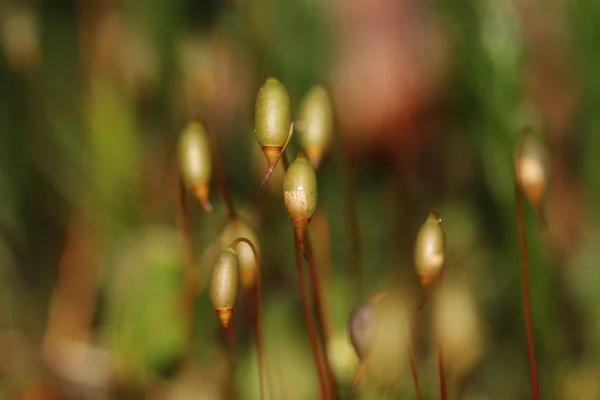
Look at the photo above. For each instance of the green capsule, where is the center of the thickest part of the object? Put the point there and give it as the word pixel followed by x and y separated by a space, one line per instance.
pixel 315 124
pixel 224 285
pixel 430 249
pixel 531 167
pixel 195 162
pixel 272 121
pixel 300 195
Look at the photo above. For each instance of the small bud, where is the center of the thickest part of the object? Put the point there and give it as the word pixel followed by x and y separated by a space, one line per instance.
pixel 300 195
pixel 195 162
pixel 429 250
pixel 224 285
pixel 315 124
pixel 272 121
pixel 239 228
pixel 530 168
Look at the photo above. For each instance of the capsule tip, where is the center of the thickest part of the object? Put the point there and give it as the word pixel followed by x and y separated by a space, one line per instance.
pixel 201 194
pixel 358 375
pixel 225 318
pixel 434 216
pixel 314 155
pixel 272 154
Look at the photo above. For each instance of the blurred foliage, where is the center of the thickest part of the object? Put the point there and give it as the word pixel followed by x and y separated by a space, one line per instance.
pixel 93 96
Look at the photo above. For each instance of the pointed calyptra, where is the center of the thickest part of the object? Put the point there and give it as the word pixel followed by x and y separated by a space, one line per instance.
pixel 300 195
pixel 429 250
pixel 224 285
pixel 195 162
pixel 272 121
pixel 315 124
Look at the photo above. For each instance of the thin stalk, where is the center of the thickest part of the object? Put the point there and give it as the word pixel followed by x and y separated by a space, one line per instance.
pixel 413 367
pixel 257 330
pixel 526 295
pixel 325 330
pixel 351 214
pixel 443 391
pixel 309 320
pixel 220 176
pixel 189 286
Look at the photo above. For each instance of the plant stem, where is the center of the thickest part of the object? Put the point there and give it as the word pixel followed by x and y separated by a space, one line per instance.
pixel 309 320
pixel 351 213
pixel 325 330
pixel 526 295
pixel 257 330
pixel 220 176
pixel 415 372
pixel 442 374
pixel 189 284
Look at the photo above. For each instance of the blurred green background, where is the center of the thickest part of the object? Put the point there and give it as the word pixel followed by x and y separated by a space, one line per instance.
pixel 429 99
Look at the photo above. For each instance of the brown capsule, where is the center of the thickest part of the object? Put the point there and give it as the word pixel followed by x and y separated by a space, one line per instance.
pixel 530 167
pixel 224 285
pixel 247 261
pixel 429 250
pixel 300 195
pixel 315 124
pixel 195 162
pixel 272 121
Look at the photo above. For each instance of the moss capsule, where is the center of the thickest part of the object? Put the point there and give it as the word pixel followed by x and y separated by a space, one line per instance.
pixel 272 121
pixel 300 195
pixel 224 285
pixel 361 326
pixel 530 168
pixel 430 250
pixel 195 162
pixel 315 124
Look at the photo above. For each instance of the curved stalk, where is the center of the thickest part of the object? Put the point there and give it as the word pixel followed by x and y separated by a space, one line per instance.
pixel 257 331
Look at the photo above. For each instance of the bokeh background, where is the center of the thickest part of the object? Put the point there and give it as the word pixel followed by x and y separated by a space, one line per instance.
pixel 429 99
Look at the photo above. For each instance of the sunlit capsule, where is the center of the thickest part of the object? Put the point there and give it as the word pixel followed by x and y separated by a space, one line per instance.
pixel 300 195
pixel 429 250
pixel 195 162
pixel 224 285
pixel 315 124
pixel 530 167
pixel 272 121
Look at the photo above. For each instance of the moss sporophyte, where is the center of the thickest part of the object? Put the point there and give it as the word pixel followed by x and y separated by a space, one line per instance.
pixel 272 122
